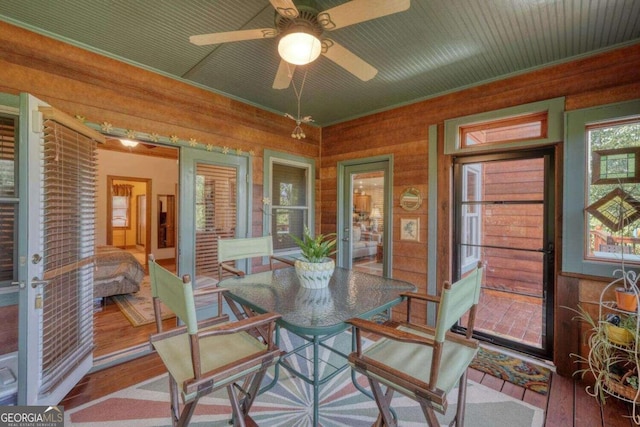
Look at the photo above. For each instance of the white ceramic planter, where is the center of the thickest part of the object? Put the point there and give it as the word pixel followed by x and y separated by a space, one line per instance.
pixel 315 275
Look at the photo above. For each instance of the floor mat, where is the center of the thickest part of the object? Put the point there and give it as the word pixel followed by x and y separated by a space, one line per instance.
pixel 508 368
pixel 138 307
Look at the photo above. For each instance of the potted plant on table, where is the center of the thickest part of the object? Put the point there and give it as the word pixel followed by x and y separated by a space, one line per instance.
pixel 315 269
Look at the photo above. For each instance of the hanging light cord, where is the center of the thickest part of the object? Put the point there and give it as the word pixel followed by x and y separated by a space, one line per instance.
pixel 297 132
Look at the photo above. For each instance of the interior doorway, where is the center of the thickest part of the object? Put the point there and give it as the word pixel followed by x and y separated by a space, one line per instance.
pixel 121 321
pixel 129 215
pixel 504 217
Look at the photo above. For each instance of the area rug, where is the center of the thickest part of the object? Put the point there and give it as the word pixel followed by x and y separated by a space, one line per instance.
pixel 513 370
pixel 289 403
pixel 138 307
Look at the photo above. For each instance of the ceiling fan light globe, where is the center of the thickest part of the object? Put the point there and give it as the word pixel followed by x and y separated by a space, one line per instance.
pixel 299 48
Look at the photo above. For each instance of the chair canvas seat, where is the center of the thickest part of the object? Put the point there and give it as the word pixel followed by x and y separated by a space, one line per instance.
pixel 415 361
pixel 215 352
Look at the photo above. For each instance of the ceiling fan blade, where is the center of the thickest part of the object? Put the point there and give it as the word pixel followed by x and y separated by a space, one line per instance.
pixel 348 60
pixel 233 36
pixel 356 11
pixel 286 8
pixel 284 75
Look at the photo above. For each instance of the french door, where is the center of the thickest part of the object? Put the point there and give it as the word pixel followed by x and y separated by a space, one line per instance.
pixel 504 217
pixel 214 198
pixel 55 248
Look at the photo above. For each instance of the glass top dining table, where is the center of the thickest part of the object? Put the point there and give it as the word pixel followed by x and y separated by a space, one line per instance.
pixel 315 315
pixel 316 311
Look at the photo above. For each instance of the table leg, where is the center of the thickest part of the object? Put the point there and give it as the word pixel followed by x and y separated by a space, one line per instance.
pixel 276 367
pixel 316 380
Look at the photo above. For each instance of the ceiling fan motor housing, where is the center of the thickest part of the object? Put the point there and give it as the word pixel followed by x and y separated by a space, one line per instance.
pixel 306 20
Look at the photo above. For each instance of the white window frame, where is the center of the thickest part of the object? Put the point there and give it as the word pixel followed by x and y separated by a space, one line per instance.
pixel 469 261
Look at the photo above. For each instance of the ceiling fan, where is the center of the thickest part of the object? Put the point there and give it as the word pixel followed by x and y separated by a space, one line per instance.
pixel 301 28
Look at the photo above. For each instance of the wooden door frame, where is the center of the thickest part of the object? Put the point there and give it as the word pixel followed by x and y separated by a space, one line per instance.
pixel 148 192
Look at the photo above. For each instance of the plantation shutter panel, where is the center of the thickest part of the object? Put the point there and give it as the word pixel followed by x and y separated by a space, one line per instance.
pixel 68 217
pixel 216 208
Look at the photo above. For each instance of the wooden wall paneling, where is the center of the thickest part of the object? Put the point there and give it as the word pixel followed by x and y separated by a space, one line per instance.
pixel 9 330
pixel 567 337
pixel 59 73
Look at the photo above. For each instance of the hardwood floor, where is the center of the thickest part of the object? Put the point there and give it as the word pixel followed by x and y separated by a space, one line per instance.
pixel 113 332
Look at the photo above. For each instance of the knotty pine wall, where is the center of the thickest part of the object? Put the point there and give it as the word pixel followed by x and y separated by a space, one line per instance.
pixel 596 80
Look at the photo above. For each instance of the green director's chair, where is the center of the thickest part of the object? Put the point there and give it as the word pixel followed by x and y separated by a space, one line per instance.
pixel 209 355
pixel 418 361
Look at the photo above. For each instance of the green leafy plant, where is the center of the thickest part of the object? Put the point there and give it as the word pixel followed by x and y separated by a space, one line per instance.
pixel 602 354
pixel 316 249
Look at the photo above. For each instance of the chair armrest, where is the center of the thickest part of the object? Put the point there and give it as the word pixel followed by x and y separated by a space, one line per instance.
pixel 389 332
pixel 423 297
pixel 242 325
pixel 416 296
pixel 179 330
pixel 231 269
pixel 283 260
pixel 207 291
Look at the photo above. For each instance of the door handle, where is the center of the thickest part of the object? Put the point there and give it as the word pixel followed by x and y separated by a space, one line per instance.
pixel 35 282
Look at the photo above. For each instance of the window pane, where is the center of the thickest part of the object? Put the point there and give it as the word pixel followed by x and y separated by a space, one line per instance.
pixel 120 211
pixel 7 157
pixel 8 226
pixel 289 185
pixel 532 126
pixel 285 222
pixel 613 203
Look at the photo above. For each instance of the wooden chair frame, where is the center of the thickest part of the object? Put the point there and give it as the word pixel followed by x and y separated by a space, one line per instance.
pixel 244 248
pixel 426 393
pixel 250 368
